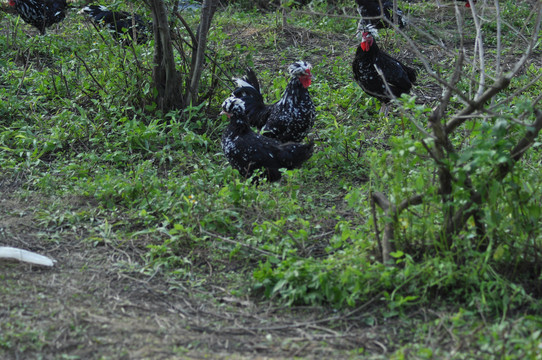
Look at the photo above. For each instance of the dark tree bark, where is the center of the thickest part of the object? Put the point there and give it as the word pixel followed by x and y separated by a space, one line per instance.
pixel 198 56
pixel 174 90
pixel 165 76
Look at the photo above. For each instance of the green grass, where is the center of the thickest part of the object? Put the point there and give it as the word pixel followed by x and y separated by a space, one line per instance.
pixel 77 117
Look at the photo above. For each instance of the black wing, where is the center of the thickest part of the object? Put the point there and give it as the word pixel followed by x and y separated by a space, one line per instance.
pixel 399 76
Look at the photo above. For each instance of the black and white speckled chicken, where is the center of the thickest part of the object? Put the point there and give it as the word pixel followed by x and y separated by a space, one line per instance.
pixel 289 119
pixel 248 151
pixel 371 12
pixel 40 13
pixel 377 73
pixel 119 22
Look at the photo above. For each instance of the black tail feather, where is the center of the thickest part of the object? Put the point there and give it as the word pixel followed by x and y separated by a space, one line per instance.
pixel 255 108
pixel 411 73
pixel 251 78
pixel 293 155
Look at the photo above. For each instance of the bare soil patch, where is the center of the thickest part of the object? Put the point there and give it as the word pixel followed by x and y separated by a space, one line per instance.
pixel 88 306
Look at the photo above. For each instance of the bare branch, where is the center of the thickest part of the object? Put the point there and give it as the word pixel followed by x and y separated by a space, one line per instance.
pixel 395 8
pixel 392 211
pixel 187 27
pixel 194 46
pixel 438 113
pixel 381 74
pixel 431 153
pixel 414 200
pixel 525 143
pixel 375 222
pixel 207 11
pixel 389 210
pixel 479 48
pixel 381 200
pixel 518 92
pixel 499 84
pixel 420 128
pixel 535 101
pixel 429 68
pixel 89 72
pixel 499 50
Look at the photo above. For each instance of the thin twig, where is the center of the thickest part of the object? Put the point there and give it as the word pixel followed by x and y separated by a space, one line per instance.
pixel 523 144
pixel 499 84
pixel 247 246
pixel 26 66
pixel 187 27
pixel 479 47
pixel 307 323
pixel 498 14
pixel 375 222
pixel 90 72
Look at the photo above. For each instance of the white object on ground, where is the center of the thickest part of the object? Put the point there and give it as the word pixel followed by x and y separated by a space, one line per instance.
pixel 25 255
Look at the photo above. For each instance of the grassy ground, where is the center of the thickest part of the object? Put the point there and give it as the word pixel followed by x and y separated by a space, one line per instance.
pixel 164 252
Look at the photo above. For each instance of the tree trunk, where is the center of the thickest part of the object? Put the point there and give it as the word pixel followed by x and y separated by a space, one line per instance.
pixel 165 77
pixel 198 56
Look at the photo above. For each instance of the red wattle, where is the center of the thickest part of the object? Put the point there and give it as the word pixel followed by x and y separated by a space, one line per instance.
pixel 365 46
pixel 305 81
